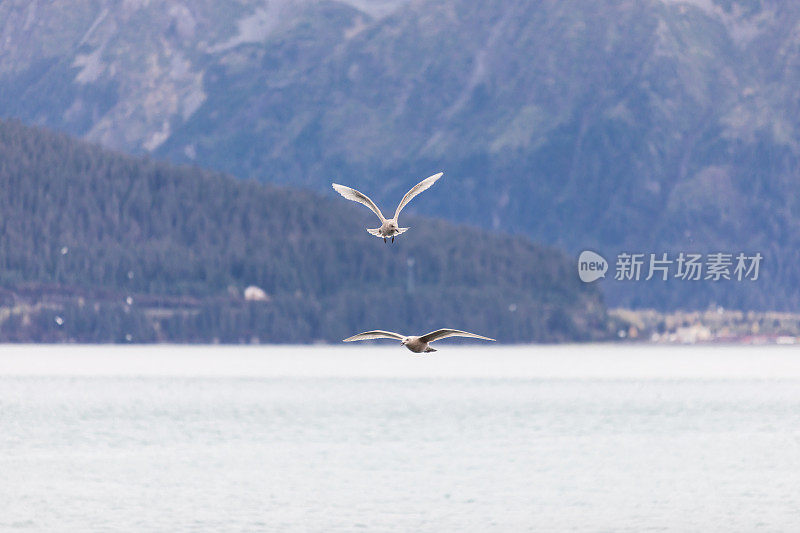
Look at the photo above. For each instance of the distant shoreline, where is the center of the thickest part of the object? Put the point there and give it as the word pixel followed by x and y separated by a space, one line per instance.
pixel 713 326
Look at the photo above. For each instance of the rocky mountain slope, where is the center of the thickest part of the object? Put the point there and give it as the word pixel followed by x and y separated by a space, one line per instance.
pixel 617 126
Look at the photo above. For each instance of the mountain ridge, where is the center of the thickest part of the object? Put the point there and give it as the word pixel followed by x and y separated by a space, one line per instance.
pixel 650 126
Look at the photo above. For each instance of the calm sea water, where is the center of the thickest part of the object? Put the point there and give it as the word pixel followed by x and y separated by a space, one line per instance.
pixel 575 438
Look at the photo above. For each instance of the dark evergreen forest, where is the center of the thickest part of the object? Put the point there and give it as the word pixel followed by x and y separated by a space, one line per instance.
pixel 102 247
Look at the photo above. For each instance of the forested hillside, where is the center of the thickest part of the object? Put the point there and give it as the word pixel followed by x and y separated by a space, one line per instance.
pixel 98 246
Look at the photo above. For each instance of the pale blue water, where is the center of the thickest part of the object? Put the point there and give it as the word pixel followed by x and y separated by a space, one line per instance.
pixel 287 451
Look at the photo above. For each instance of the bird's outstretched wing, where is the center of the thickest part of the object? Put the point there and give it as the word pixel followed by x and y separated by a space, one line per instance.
pixel 375 334
pixel 444 333
pixel 360 197
pixel 415 190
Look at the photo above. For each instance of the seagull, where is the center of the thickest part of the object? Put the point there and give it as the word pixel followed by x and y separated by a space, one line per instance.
pixel 389 227
pixel 415 344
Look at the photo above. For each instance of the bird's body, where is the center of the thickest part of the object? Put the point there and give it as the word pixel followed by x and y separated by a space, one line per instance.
pixel 417 344
pixel 389 226
pixel 388 229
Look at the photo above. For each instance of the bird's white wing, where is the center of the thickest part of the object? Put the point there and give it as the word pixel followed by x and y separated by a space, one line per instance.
pixel 376 334
pixel 415 190
pixel 360 197
pixel 444 333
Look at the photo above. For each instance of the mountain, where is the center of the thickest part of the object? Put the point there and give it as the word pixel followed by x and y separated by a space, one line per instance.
pixel 654 126
pixel 99 246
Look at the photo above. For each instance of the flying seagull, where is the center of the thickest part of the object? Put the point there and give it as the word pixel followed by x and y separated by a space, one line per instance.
pixel 415 344
pixel 389 227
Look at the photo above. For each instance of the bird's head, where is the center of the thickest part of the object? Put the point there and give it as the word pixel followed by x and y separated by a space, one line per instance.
pixel 404 341
pixel 392 225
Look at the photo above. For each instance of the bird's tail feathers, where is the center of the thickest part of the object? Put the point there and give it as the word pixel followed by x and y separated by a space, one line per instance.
pixel 402 230
pixel 376 232
pixel 429 349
